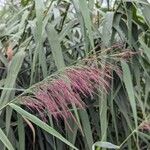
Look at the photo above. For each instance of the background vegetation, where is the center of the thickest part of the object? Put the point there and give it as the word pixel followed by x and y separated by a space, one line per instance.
pixel 39 40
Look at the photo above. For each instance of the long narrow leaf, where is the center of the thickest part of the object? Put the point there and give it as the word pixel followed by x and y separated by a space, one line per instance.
pixel 130 89
pixel 41 124
pixel 5 140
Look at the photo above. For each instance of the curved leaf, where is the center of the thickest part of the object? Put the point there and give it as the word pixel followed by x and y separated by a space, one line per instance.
pixel 41 124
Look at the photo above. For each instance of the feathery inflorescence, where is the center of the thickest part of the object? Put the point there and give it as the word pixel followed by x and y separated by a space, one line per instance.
pixel 58 95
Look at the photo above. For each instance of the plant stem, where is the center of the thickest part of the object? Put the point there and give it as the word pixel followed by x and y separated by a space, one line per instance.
pixel 127 138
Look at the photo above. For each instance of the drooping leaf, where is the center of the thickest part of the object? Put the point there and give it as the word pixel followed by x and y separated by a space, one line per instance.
pixel 41 124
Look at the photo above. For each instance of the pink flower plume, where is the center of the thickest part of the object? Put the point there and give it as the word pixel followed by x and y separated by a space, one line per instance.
pixel 58 95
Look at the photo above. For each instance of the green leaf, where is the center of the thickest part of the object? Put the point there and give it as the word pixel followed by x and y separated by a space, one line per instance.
pixel 145 48
pixel 21 132
pixel 87 20
pixel 41 124
pixel 5 140
pixel 25 2
pixel 105 145
pixel 38 35
pixel 86 127
pixel 12 74
pixel 103 108
pixel 146 11
pixel 107 28
pixel 53 38
pixel 130 89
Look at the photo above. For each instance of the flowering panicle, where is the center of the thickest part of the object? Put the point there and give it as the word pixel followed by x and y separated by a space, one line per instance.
pixel 145 125
pixel 58 95
pixel 126 54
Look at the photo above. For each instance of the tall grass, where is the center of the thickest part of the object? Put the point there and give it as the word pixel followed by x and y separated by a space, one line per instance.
pixel 41 41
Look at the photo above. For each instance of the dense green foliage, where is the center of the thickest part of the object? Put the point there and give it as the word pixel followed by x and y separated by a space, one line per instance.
pixel 40 39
